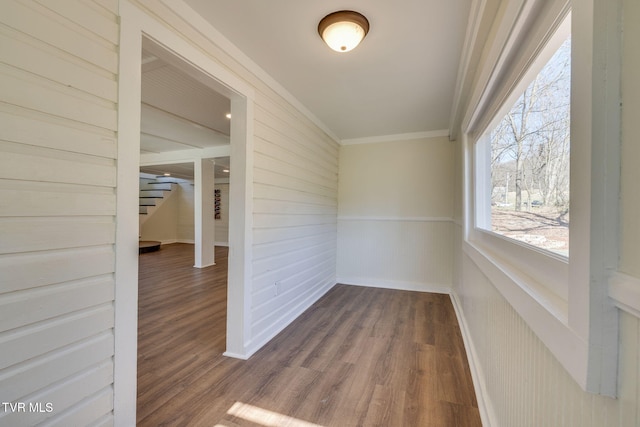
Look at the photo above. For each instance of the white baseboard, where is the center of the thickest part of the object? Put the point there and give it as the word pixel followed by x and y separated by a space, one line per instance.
pixel 172 241
pixel 235 355
pixel 395 284
pixel 487 415
pixel 189 242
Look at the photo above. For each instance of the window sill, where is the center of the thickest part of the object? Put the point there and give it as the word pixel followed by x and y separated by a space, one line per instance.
pixel 624 290
pixel 544 312
pixel 545 272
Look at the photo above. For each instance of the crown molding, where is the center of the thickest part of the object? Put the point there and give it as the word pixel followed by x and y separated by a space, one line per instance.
pixel 397 137
pixel 466 70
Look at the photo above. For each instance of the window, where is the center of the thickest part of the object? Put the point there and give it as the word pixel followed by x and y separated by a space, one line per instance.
pixel 525 194
pixel 562 298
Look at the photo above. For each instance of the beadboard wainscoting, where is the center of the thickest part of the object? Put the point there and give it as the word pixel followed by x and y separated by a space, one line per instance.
pixel 518 381
pixel 397 253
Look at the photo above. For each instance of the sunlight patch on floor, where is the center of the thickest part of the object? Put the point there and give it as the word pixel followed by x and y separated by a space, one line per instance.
pixel 265 417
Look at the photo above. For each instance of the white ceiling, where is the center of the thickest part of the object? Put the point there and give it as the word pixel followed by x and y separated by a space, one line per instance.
pixel 401 79
pixel 178 112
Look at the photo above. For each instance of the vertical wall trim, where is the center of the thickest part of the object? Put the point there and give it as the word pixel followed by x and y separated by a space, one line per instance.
pixel 594 188
pixel 127 191
pixel 240 226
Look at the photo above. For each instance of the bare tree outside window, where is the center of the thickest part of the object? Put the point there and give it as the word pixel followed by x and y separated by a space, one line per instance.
pixel 530 160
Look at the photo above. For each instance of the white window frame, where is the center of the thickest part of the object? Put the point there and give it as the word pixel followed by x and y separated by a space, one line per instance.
pixel 563 300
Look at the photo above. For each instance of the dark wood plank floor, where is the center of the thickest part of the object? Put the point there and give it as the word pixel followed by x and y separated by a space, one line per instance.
pixel 358 357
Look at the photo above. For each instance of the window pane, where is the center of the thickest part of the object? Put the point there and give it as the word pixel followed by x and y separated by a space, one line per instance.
pixel 530 161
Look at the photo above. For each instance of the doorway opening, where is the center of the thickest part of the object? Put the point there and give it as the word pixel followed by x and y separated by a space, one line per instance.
pixel 190 59
pixel 182 298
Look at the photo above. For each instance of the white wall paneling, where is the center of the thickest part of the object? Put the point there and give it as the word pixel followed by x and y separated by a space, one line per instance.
pixel 295 207
pixel 22 271
pixel 57 184
pixel 521 380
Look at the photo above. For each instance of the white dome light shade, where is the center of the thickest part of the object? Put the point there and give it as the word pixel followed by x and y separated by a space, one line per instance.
pixel 342 31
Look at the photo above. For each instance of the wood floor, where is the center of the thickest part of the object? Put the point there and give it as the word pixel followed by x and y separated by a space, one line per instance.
pixel 358 357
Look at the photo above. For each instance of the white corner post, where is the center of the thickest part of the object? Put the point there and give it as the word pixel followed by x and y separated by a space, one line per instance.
pixel 204 213
pixel 240 226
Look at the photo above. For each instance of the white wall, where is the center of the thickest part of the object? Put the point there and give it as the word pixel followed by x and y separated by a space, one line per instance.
pixel 523 383
pixel 185 232
pixel 162 223
pixel 174 220
pixel 395 214
pixel 58 96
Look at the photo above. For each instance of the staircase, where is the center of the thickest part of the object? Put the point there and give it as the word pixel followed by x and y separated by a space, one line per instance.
pixel 153 192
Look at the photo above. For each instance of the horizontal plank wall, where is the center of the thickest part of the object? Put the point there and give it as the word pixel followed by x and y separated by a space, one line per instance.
pixel 58 100
pixel 295 208
pixel 395 214
pixel 295 170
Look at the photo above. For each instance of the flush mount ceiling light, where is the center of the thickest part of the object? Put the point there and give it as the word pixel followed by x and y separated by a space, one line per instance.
pixel 342 31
